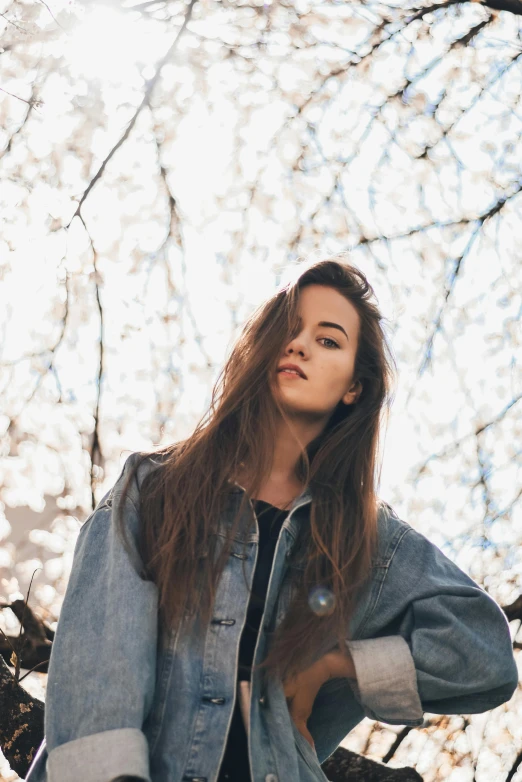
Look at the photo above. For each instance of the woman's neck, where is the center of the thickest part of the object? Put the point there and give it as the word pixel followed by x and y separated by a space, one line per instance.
pixel 277 491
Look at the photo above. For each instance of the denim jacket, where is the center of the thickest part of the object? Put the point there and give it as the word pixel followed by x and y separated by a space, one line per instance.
pixel 124 696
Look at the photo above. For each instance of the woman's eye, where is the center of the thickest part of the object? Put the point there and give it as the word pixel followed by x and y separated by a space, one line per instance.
pixel 328 339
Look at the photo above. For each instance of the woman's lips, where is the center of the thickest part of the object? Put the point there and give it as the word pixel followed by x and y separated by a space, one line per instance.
pixel 287 373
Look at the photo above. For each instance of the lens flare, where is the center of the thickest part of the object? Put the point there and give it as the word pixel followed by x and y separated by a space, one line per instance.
pixel 321 600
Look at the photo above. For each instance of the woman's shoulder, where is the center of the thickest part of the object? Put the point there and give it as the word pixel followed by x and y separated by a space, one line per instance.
pixel 391 529
pixel 136 469
pixel 124 492
pixel 408 550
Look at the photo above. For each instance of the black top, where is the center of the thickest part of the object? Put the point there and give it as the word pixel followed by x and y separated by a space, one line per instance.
pixel 270 520
pixel 235 766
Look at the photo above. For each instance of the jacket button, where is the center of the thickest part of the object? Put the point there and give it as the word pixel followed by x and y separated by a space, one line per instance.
pixel 262 700
pixel 271 778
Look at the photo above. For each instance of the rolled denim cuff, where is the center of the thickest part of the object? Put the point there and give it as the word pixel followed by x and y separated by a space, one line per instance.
pixel 101 757
pixel 386 685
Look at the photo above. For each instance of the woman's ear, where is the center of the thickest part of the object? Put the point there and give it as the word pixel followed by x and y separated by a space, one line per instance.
pixel 351 396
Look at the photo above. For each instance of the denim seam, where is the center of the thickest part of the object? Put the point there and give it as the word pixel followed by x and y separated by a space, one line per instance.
pixel 165 676
pixel 371 608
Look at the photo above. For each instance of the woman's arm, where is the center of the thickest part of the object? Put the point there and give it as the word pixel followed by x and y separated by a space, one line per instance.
pixel 443 644
pixel 102 666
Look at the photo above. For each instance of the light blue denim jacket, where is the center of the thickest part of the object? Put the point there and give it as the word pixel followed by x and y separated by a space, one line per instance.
pixel 126 697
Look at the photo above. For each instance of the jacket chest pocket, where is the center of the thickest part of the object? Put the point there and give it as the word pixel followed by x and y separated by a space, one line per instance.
pixel 239 551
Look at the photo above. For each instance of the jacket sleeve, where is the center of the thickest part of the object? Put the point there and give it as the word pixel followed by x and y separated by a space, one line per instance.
pixel 442 644
pixel 102 667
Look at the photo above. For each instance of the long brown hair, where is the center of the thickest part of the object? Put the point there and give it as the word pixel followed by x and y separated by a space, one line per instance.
pixel 181 499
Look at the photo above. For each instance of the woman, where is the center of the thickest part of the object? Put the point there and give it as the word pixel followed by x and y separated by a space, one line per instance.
pixel 240 600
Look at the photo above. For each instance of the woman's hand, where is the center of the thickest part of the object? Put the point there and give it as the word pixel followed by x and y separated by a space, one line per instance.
pixel 301 690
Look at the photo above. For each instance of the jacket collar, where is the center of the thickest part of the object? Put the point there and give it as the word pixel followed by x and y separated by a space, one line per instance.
pixel 293 520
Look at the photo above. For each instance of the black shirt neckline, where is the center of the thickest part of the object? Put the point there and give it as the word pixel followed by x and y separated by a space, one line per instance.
pixel 269 504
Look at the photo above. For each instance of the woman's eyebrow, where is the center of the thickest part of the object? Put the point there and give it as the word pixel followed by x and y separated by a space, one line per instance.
pixel 333 326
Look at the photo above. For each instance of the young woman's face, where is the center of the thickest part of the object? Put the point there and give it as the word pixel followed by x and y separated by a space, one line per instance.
pixel 324 349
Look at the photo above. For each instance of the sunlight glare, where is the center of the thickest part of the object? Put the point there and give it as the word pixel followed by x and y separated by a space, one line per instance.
pixel 109 44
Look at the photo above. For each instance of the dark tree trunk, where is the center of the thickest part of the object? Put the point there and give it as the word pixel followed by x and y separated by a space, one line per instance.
pixel 21 722
pixel 346 766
